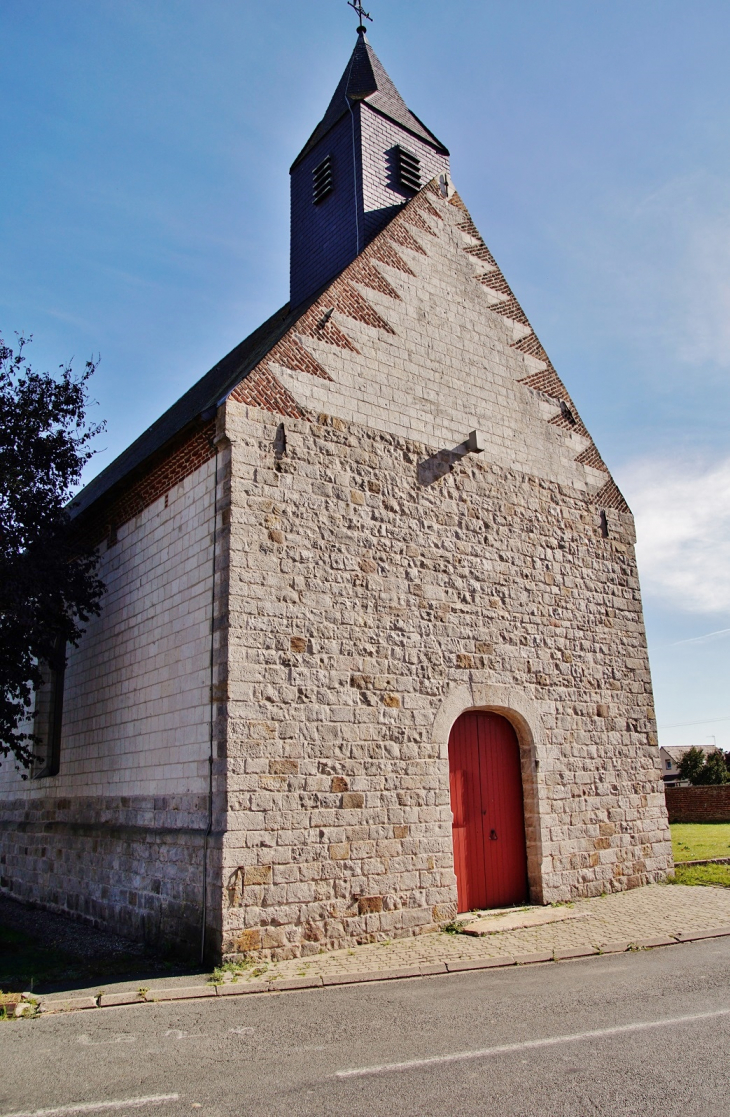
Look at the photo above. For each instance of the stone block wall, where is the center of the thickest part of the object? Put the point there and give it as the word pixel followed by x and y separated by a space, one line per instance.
pixel 133 864
pixel 371 604
pixel 698 804
pixel 117 835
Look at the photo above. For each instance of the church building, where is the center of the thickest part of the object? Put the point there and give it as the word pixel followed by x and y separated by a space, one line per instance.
pixel 371 650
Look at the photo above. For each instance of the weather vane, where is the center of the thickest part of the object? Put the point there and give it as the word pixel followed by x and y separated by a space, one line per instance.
pixel 357 5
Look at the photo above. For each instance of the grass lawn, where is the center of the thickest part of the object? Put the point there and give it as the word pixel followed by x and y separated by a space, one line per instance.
pixel 703 874
pixel 695 841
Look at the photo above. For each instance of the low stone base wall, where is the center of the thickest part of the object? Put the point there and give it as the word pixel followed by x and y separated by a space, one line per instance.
pixel 132 865
pixel 698 804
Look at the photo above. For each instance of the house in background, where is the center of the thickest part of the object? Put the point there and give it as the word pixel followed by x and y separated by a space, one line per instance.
pixel 372 647
pixel 671 755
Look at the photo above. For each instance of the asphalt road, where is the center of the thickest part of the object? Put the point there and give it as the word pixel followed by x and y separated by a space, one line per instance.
pixel 641 1034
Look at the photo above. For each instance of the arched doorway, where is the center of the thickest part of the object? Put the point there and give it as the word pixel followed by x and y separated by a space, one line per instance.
pixel 490 856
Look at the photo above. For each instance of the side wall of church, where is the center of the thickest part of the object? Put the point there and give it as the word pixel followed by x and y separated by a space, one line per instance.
pixel 371 602
pixel 117 836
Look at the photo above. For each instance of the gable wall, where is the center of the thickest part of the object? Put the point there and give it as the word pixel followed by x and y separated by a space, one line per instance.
pixel 383 580
pixel 432 354
pixel 369 605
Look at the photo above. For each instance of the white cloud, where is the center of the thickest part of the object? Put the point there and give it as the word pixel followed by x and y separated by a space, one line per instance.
pixel 682 511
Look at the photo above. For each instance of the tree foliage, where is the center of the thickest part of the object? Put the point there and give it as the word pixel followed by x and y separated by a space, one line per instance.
pixel 702 768
pixel 691 765
pixel 715 770
pixel 48 583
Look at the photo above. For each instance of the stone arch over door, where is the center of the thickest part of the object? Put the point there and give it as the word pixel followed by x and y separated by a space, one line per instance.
pixel 524 716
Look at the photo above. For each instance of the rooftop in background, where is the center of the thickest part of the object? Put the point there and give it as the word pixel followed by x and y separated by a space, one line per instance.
pixel 676 752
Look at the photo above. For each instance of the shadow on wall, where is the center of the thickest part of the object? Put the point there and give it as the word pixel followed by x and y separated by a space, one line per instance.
pixel 377 219
pixel 440 464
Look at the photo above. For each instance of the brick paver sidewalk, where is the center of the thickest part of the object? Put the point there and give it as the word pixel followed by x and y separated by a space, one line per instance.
pixel 632 917
pixel 645 917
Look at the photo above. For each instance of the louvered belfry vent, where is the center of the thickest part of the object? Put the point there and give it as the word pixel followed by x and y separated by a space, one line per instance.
pixel 409 170
pixel 322 180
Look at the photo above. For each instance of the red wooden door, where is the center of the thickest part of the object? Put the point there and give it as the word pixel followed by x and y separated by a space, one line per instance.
pixel 490 857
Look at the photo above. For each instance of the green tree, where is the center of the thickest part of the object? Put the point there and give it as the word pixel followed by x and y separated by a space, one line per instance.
pixel 48 583
pixel 715 770
pixel 691 765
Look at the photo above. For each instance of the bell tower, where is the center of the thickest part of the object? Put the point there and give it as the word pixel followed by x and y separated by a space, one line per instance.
pixel 365 159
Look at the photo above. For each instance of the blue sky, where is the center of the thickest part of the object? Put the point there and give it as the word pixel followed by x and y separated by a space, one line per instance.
pixel 144 216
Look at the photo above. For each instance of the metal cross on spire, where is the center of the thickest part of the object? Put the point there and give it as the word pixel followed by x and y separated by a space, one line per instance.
pixel 357 5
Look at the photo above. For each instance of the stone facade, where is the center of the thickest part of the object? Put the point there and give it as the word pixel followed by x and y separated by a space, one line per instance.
pixel 382 581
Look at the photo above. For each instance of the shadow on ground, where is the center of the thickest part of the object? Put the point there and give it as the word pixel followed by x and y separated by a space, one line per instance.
pixel 45 952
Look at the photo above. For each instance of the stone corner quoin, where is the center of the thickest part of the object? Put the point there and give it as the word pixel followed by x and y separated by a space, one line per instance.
pixel 309 583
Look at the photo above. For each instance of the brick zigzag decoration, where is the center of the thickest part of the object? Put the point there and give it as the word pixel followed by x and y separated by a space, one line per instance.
pixel 262 388
pixel 546 380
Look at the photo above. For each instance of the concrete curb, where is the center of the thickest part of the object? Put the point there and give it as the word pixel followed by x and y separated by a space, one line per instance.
pixel 464 965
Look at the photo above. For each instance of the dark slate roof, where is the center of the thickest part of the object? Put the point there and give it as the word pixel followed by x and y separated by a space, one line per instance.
pixel 209 391
pixel 365 79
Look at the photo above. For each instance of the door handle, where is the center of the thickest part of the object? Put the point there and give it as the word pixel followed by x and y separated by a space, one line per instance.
pixel 493 835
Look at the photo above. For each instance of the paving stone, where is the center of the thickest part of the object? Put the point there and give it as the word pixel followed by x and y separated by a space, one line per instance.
pixel 658 940
pixel 314 982
pixel 72 1004
pixel 642 916
pixel 529 959
pixel 512 921
pixel 373 975
pixel 239 988
pixel 712 933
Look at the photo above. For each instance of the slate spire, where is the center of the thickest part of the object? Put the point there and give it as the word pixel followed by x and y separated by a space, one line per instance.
pixel 365 159
pixel 366 79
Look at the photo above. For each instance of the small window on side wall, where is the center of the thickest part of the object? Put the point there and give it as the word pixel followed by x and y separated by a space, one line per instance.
pixel 322 182
pixel 48 716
